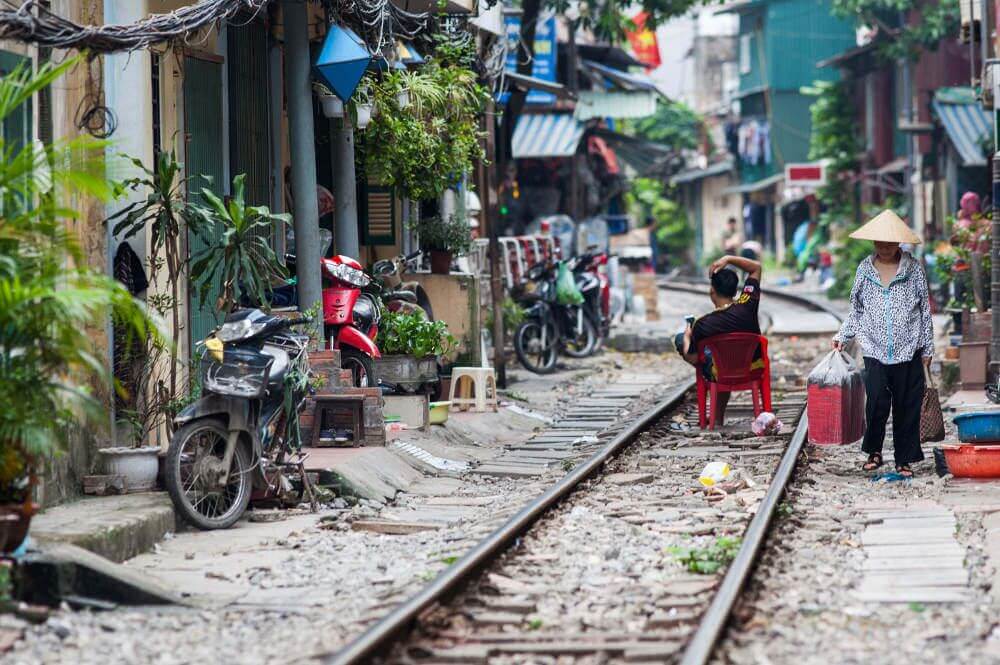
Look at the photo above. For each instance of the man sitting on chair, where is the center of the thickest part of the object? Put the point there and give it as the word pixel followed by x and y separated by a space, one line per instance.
pixel 735 312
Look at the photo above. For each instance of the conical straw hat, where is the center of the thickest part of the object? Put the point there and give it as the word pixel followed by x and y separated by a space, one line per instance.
pixel 887 227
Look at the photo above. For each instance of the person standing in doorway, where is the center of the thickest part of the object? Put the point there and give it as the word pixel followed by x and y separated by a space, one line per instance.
pixel 891 319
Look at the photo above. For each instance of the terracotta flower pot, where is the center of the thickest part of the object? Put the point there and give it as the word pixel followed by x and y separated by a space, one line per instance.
pixel 440 261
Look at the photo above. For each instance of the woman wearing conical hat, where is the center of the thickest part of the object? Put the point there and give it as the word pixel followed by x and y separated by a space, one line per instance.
pixel 891 320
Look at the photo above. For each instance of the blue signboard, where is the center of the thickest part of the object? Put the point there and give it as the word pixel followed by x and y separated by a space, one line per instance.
pixel 544 64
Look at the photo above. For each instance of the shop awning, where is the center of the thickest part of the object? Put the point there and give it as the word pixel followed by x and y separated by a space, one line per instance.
pixel 528 83
pixel 616 104
pixel 966 124
pixel 749 187
pixel 692 175
pixel 619 78
pixel 546 135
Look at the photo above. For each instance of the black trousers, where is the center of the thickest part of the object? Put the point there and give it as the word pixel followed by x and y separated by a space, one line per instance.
pixel 898 387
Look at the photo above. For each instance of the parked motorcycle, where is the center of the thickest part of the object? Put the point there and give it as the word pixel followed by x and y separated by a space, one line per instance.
pixel 549 328
pixel 350 316
pixel 398 295
pixel 240 436
pixel 596 289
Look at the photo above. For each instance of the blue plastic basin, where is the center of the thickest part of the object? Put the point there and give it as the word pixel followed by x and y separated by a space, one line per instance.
pixel 978 427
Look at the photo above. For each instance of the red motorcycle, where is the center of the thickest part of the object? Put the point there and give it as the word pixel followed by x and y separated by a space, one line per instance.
pixel 350 317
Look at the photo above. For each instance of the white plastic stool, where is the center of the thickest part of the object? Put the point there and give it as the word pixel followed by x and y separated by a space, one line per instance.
pixel 484 388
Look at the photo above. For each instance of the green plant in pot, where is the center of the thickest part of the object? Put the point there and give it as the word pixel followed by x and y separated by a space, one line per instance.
pixel 52 305
pixel 411 347
pixel 443 239
pixel 239 254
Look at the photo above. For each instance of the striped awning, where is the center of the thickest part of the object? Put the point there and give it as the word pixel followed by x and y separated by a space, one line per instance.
pixel 967 126
pixel 546 135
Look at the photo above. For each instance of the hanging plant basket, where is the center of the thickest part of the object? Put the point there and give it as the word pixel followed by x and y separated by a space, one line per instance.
pixel 403 98
pixel 333 106
pixel 364 112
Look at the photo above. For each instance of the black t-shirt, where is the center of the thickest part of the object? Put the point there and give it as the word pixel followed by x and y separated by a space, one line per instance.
pixel 741 316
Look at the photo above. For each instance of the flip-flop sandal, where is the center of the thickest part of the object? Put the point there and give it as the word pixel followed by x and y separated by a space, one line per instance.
pixel 874 461
pixel 905 471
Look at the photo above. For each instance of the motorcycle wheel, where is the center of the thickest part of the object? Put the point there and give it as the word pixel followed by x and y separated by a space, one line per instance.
pixel 534 355
pixel 584 343
pixel 199 502
pixel 361 366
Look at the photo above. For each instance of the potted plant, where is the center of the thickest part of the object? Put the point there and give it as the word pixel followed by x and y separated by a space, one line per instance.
pixel 443 239
pixel 49 299
pixel 411 346
pixel 363 103
pixel 238 254
pixel 427 130
pixel 332 105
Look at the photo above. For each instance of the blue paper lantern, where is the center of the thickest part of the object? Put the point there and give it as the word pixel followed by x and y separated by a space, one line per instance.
pixel 343 61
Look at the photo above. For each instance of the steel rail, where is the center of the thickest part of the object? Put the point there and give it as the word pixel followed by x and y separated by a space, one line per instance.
pixel 700 648
pixel 710 628
pixel 699 288
pixel 381 635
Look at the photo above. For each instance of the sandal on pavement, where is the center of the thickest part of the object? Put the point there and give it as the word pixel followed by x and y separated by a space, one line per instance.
pixel 905 471
pixel 874 461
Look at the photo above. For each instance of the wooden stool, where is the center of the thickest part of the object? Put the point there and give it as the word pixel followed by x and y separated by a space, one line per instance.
pixel 483 381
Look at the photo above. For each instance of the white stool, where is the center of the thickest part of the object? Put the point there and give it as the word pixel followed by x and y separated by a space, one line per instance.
pixel 484 388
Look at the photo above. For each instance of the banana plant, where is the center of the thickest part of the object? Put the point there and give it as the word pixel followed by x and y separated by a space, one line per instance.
pixel 238 253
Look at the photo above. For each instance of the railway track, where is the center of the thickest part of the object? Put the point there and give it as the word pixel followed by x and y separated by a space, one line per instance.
pixel 590 570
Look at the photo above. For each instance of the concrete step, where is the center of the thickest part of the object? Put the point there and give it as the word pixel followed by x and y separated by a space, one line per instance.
pixel 114 527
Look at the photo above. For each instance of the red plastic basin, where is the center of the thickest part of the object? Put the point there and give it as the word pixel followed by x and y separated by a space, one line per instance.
pixel 965 461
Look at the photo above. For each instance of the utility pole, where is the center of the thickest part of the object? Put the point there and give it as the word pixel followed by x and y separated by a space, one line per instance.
pixel 493 222
pixel 573 83
pixel 303 146
pixel 994 373
pixel 345 188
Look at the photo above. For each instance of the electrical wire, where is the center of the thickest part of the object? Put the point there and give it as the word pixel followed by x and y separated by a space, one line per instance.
pixel 31 21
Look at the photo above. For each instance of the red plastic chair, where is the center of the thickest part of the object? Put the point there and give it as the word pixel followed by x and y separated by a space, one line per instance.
pixel 732 357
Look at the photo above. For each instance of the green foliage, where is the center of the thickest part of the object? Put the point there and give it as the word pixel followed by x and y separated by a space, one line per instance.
pixel 938 20
pixel 425 147
pixel 707 560
pixel 674 124
pixel 447 235
pixel 835 138
pixel 610 20
pixel 513 316
pixel 413 335
pixel 239 254
pixel 672 229
pixel 49 298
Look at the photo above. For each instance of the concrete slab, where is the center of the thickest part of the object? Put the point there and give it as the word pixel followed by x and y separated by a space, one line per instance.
pixel 371 473
pixel 53 570
pixel 114 527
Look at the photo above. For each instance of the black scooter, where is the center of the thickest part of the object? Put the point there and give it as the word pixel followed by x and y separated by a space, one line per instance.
pixel 549 328
pixel 240 438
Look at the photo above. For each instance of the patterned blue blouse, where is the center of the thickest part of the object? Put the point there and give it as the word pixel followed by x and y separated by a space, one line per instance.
pixel 892 323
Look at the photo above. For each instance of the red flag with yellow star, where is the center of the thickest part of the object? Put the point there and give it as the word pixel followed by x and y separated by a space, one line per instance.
pixel 643 42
